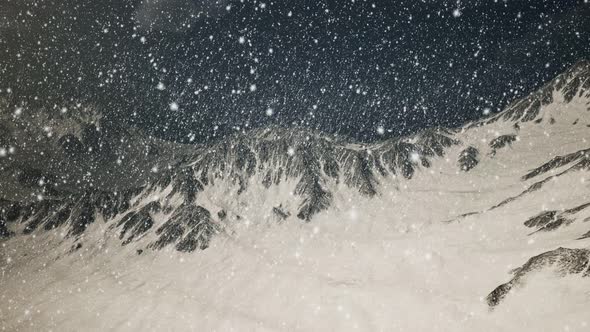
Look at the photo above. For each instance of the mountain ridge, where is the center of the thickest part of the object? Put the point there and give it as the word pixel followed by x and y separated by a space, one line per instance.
pixel 509 176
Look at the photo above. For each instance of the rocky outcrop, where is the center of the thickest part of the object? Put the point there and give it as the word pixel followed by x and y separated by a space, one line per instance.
pixel 189 228
pixel 136 223
pixel 562 261
pixel 577 160
pixel 574 81
pixel 501 142
pixel 468 158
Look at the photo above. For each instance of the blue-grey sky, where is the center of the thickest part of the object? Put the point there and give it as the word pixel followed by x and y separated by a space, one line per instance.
pixel 202 69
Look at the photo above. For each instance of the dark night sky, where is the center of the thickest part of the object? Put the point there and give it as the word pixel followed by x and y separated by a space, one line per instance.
pixel 345 67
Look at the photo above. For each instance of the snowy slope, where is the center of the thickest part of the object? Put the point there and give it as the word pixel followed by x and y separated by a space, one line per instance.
pixel 482 227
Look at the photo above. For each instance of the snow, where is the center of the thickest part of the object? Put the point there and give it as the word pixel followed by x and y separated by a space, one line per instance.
pixel 367 264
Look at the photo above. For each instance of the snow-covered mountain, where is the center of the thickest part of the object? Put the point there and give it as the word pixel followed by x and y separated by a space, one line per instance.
pixel 483 226
pixel 60 151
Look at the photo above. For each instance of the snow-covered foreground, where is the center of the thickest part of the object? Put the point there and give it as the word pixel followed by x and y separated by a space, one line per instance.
pixel 423 254
pixel 334 274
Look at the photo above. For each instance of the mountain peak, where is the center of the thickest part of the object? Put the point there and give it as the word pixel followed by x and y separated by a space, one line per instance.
pixel 573 82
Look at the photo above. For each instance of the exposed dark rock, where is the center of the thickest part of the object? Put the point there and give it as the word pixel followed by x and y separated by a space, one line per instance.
pixel 404 156
pixel 57 217
pixel 554 224
pixel 580 161
pixel 311 187
pixel 315 197
pixel 398 158
pixel 280 213
pixel 551 220
pixel 434 141
pixel 516 126
pixel 186 184
pixel 468 158
pixel 110 204
pixel 575 80
pixel 501 141
pixel 541 219
pixel 558 162
pixel 190 227
pixel 83 214
pixel 360 174
pixel 10 211
pixel 36 214
pixel 221 214
pixel 77 212
pixel 75 247
pixel 138 222
pixel 562 261
pixel 4 229
pixel 577 208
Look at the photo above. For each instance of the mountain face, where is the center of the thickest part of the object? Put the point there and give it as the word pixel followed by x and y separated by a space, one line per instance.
pixel 111 212
pixel 54 153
